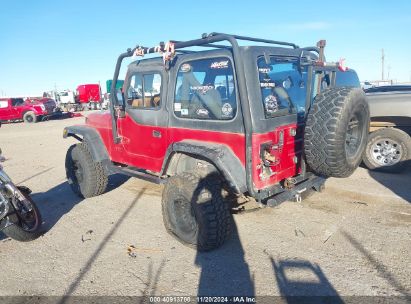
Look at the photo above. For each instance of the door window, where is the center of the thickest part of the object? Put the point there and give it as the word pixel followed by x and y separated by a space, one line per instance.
pixel 15 102
pixel 144 91
pixel 205 90
pixel 3 104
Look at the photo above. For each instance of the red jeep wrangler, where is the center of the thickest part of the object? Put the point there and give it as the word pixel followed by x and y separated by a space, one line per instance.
pixel 265 121
pixel 13 109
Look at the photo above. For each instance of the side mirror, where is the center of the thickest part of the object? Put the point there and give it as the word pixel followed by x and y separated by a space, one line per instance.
pixel 120 97
pixel 120 107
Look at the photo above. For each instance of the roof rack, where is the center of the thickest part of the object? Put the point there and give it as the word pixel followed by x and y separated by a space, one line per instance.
pixel 208 40
pixel 245 38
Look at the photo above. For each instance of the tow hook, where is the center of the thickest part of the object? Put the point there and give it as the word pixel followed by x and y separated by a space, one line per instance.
pixel 297 196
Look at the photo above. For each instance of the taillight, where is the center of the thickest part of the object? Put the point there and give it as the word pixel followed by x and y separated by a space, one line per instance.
pixel 268 160
pixel 266 157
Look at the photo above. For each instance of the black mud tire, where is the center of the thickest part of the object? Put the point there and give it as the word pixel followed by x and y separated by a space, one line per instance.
pixel 195 212
pixel 87 178
pixel 336 132
pixel 18 233
pixel 29 117
pixel 400 141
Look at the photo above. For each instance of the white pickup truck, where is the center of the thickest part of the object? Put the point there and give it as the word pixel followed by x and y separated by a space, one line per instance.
pixel 389 142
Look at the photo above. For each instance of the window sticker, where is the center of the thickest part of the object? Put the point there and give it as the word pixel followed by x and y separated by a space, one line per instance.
pixel 219 64
pixel 267 84
pixel 265 70
pixel 184 111
pixel 202 89
pixel 287 83
pixel 202 112
pixel 227 110
pixel 177 107
pixel 185 68
pixel 271 104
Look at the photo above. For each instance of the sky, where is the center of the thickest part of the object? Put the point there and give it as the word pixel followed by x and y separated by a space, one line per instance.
pixel 47 44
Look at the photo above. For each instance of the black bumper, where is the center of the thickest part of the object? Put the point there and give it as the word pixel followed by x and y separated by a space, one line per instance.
pixel 312 183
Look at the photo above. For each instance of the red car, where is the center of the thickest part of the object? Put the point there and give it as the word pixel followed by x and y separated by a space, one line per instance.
pixel 12 109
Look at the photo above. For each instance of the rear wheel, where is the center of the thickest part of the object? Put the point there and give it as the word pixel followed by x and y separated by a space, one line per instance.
pixel 195 212
pixel 387 149
pixel 29 117
pixel 86 177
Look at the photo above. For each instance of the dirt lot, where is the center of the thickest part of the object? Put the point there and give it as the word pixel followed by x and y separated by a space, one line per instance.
pixel 352 239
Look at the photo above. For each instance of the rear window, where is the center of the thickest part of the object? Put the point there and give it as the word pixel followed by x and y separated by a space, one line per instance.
pixel 205 90
pixel 347 79
pixel 282 85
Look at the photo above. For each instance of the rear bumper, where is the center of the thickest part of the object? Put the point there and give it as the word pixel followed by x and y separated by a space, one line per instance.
pixel 312 183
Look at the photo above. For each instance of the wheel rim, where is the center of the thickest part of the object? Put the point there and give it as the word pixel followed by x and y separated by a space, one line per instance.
pixel 353 135
pixel 29 118
pixel 386 152
pixel 29 219
pixel 183 220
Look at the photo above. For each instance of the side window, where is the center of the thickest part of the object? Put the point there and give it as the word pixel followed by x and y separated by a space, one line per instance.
pixel 16 102
pixel 144 91
pixel 3 104
pixel 205 90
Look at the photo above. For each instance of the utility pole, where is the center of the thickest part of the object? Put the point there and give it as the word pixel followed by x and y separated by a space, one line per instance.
pixel 382 64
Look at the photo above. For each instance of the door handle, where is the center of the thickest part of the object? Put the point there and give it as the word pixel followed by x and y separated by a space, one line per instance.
pixel 156 133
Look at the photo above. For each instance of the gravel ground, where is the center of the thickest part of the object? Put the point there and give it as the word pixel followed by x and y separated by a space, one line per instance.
pixel 351 239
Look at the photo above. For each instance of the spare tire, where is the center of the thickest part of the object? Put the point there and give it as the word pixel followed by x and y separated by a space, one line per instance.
pixel 336 131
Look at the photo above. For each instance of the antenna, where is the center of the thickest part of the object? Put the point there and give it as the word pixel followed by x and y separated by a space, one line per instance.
pixel 382 64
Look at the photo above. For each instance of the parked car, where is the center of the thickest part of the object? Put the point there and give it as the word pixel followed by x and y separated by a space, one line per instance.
pixel 366 85
pixel 254 121
pixel 389 141
pixel 14 109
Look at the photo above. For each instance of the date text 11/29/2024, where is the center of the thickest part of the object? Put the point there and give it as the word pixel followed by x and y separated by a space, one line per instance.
pixel 202 299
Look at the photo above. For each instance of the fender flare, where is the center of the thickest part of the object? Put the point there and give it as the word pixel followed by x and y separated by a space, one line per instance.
pixel 219 155
pixel 97 147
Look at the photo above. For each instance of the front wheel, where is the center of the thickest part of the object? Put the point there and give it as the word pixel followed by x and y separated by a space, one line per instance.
pixel 195 212
pixel 86 176
pixel 27 223
pixel 387 149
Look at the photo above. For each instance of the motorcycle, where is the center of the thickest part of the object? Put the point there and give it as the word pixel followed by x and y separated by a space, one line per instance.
pixel 20 218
